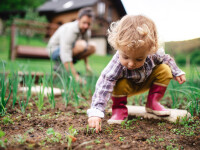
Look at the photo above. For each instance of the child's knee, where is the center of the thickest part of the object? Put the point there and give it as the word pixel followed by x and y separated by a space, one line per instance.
pixel 163 73
pixel 166 71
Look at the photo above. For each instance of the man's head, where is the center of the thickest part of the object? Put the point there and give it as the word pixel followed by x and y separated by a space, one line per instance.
pixel 85 17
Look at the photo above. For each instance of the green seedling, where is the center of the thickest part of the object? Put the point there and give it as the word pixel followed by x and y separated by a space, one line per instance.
pixel 97 141
pixel 122 138
pixel 87 129
pixel 30 131
pixel 2 143
pixel 71 136
pixel 15 82
pixel 89 147
pixel 161 124
pixel 20 139
pixel 171 147
pixel 161 139
pixel 27 83
pixel 40 101
pixel 3 87
pixel 127 124
pixel 7 120
pixel 28 115
pixel 151 139
pixel 56 137
pixel 109 130
pixel 66 81
pixel 90 130
pixel 51 95
pixel 188 94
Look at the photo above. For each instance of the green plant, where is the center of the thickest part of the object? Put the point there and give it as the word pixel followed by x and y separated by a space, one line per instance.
pixel 28 81
pixel 56 137
pixel 65 80
pixel 33 15
pixel 128 124
pixel 20 139
pixel 97 141
pixel 89 147
pixel 109 130
pixel 40 101
pixel 190 92
pixel 151 139
pixel 171 147
pixel 161 139
pixel 31 130
pixel 87 129
pixel 3 87
pixel 194 57
pixel 28 115
pixel 161 124
pixel 181 59
pixel 184 121
pixel 51 95
pixel 7 120
pixel 122 138
pixel 15 79
pixel 70 136
pixel 2 143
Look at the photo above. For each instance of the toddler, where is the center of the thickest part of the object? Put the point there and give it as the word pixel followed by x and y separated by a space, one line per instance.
pixel 138 65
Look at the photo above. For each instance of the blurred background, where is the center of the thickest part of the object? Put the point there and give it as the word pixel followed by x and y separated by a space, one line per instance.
pixel 26 25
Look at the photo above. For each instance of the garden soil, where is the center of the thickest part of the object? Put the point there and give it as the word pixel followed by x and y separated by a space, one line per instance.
pixel 29 130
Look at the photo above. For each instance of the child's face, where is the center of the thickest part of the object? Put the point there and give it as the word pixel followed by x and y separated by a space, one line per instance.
pixel 132 59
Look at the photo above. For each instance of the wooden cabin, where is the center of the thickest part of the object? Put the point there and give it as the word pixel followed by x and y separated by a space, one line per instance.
pixel 106 11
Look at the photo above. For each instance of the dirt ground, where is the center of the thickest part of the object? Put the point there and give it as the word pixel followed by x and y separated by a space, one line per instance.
pixel 30 131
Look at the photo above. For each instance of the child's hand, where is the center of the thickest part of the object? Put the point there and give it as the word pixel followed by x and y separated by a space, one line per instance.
pixel 95 122
pixel 181 79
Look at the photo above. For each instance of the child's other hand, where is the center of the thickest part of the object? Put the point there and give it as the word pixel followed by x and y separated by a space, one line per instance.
pixel 181 79
pixel 95 122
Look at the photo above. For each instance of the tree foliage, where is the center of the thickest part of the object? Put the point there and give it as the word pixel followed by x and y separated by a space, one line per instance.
pixel 19 5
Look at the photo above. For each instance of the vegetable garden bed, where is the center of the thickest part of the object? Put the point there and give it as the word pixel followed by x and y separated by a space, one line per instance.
pixel 48 122
pixel 50 129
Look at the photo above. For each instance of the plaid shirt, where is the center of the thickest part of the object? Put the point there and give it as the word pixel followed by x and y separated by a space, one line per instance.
pixel 114 71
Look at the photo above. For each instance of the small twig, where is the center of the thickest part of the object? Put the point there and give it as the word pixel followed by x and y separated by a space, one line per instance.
pixel 84 143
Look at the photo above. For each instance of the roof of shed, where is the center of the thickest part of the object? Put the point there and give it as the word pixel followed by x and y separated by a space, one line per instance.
pixel 58 6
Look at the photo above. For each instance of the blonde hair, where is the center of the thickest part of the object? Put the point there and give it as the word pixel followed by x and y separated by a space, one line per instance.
pixel 135 32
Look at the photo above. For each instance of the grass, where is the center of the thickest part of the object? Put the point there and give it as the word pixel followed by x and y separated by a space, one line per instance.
pixel 41 65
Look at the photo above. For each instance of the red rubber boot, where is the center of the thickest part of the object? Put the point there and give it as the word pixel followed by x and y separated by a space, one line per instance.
pixel 119 110
pixel 156 93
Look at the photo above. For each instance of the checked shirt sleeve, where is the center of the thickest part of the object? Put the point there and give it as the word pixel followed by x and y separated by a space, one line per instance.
pixel 104 87
pixel 167 59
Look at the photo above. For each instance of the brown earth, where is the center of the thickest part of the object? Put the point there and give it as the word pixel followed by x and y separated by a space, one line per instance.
pixel 29 130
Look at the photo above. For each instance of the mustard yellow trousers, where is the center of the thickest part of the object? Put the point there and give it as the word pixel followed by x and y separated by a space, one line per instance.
pixel 161 75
